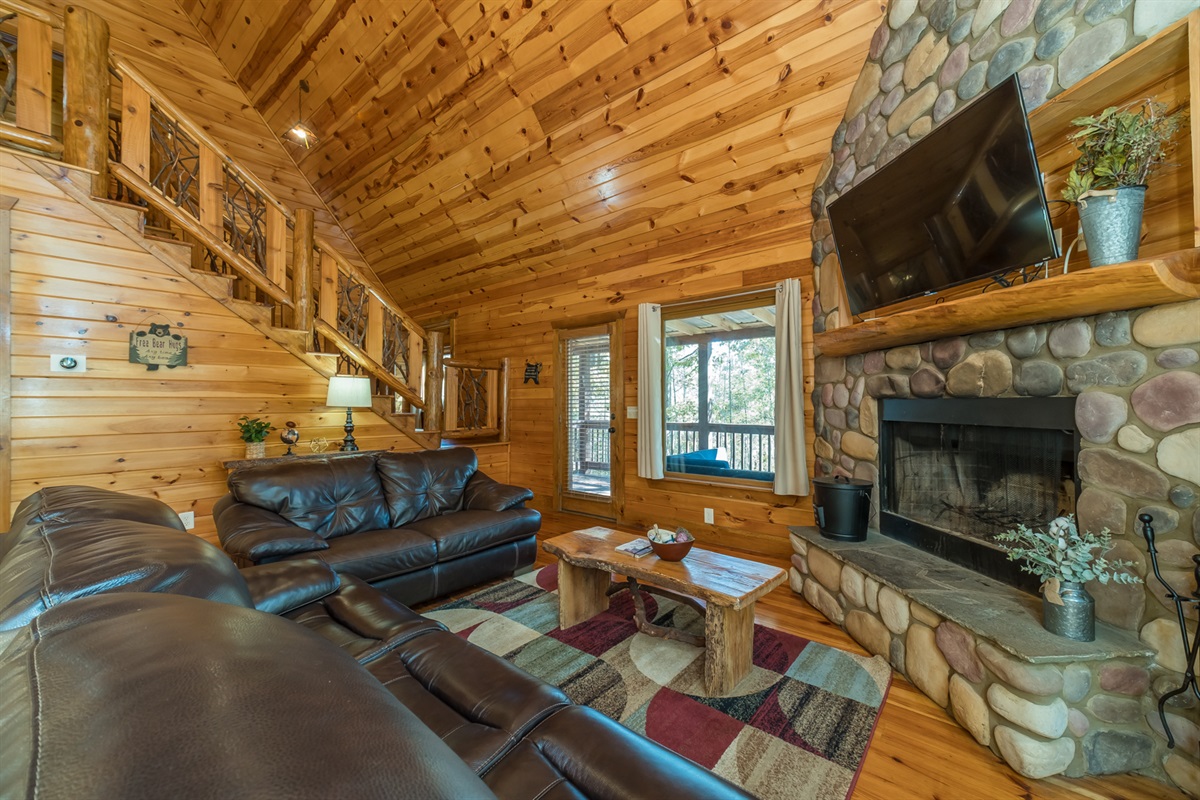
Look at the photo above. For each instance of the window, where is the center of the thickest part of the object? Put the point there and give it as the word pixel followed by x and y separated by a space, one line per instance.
pixel 588 415
pixel 719 388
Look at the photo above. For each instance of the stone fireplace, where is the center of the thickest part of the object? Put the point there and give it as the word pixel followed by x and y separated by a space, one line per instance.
pixel 1110 407
pixel 955 473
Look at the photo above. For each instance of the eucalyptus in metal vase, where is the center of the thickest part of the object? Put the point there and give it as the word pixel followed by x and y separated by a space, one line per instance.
pixel 1065 560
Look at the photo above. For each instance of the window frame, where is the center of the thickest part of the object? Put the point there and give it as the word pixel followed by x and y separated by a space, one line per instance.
pixel 695 308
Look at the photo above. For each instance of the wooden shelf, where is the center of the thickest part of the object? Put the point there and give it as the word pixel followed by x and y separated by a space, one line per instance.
pixel 1136 284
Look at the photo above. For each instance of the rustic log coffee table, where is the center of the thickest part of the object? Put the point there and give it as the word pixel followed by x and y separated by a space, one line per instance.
pixel 728 586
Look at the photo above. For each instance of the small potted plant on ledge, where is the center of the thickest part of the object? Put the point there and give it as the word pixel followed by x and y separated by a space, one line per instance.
pixel 1065 560
pixel 1117 150
pixel 254 434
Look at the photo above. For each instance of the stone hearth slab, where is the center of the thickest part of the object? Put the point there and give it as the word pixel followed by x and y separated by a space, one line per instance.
pixel 990 609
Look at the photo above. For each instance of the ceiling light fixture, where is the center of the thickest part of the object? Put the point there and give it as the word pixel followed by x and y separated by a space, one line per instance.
pixel 302 133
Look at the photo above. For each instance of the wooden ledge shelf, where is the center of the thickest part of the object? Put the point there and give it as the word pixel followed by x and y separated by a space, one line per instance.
pixel 1137 284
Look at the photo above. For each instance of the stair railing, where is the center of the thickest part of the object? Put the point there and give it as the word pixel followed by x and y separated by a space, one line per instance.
pixel 28 89
pixel 197 194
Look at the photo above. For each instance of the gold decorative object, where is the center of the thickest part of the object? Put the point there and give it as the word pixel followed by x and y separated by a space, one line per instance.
pixel 318 445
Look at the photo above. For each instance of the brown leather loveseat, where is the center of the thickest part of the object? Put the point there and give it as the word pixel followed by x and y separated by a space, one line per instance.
pixel 137 661
pixel 416 525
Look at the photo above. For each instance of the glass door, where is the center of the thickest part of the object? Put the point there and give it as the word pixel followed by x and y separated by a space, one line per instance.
pixel 588 430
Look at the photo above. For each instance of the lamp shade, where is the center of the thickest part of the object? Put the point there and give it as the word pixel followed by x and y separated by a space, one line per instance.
pixel 349 391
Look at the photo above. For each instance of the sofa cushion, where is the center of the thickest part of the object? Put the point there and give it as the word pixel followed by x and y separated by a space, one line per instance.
pixel 466 532
pixel 255 534
pixel 362 620
pixel 330 497
pixel 374 555
pixel 49 567
pixel 477 702
pixel 58 506
pixel 279 587
pixel 157 696
pixel 425 484
pixel 484 494
pixel 580 754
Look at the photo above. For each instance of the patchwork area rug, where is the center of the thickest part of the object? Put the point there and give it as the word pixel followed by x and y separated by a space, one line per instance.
pixel 798 726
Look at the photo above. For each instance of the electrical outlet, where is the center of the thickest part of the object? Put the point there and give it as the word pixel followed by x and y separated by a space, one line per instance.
pixel 708 516
pixel 188 518
pixel 630 412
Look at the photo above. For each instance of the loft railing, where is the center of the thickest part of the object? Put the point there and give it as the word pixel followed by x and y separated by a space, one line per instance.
pixel 145 151
pixel 28 89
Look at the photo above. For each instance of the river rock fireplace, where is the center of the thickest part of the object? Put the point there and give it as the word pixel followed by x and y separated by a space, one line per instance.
pixel 955 473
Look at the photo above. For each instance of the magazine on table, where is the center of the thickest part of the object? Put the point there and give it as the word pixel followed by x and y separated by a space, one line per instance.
pixel 637 548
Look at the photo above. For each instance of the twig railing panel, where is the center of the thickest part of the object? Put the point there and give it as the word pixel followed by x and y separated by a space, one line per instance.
pixel 27 87
pixel 472 399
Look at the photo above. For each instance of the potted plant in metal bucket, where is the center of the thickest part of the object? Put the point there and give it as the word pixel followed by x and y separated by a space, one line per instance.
pixel 1117 150
pixel 254 434
pixel 1065 560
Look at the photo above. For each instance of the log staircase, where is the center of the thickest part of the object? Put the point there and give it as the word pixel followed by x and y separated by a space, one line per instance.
pixel 128 154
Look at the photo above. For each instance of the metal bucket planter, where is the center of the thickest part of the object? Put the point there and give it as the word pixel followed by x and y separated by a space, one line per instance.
pixel 1112 224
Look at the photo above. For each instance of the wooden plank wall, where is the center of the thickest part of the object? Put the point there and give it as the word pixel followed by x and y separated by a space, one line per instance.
pixel 724 231
pixel 78 288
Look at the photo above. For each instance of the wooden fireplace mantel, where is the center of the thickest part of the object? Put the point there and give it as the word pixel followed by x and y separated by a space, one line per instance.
pixel 1137 284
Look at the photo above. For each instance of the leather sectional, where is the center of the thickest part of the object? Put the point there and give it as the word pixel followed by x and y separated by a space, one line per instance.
pixel 416 525
pixel 138 661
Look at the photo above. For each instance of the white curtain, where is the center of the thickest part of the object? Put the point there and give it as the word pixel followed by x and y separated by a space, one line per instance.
pixel 650 391
pixel 791 471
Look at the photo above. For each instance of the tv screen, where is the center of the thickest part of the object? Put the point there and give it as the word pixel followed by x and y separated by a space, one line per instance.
pixel 964 202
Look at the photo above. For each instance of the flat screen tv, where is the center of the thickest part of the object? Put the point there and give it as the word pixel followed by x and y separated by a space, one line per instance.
pixel 964 202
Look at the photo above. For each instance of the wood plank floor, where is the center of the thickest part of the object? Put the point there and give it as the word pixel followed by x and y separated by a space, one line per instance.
pixel 918 750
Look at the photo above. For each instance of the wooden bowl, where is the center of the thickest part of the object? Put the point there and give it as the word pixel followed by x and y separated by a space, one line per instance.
pixel 672 551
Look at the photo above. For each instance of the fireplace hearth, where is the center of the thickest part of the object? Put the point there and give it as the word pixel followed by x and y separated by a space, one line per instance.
pixel 955 473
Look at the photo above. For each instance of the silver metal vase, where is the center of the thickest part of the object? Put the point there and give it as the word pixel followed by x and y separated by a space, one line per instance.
pixel 1112 225
pixel 1075 618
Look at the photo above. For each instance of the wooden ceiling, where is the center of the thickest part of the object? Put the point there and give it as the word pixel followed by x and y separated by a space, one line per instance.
pixel 469 145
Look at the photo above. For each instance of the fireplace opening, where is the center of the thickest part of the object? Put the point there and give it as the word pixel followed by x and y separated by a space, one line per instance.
pixel 956 473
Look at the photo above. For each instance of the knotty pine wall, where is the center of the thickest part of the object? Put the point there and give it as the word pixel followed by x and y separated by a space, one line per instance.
pixel 78 288
pixel 720 230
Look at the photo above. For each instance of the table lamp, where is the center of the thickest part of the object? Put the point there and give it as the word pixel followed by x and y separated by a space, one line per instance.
pixel 351 391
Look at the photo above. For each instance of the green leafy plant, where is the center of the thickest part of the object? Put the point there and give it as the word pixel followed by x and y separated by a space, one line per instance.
pixel 1119 147
pixel 254 430
pixel 1064 554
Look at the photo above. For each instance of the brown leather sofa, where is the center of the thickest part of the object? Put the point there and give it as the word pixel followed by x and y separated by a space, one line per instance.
pixel 416 525
pixel 137 661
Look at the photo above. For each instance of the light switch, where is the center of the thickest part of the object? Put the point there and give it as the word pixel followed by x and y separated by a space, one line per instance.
pixel 630 412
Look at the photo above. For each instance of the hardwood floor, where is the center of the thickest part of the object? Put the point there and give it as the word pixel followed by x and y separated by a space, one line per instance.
pixel 918 750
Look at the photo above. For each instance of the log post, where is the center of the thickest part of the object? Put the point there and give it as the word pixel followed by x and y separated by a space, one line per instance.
pixel 433 382
pixel 302 270
pixel 85 130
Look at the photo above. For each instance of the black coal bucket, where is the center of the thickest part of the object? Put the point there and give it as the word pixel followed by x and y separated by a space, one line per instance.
pixel 843 507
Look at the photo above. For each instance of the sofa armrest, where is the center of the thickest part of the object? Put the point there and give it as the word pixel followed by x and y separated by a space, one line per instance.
pixel 254 533
pixel 286 585
pixel 484 494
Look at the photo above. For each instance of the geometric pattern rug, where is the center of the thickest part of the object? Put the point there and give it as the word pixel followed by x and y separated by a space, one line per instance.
pixel 798 726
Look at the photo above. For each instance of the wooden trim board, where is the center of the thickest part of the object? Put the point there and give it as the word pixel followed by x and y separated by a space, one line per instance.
pixel 6 206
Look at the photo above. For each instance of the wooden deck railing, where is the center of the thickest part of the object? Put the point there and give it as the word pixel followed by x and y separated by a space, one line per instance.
pixel 195 193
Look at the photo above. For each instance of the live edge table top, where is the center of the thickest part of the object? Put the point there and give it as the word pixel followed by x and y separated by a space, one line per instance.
pixel 715 578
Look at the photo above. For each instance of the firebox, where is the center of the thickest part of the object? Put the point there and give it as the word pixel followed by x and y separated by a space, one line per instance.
pixel 955 473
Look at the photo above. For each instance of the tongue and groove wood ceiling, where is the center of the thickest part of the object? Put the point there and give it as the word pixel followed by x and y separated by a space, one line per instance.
pixel 467 145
